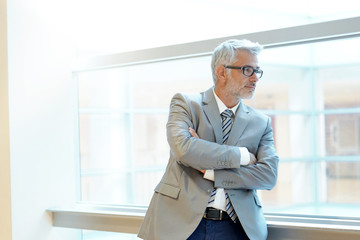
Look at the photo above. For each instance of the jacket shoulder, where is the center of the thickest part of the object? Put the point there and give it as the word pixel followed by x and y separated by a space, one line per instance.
pixel 188 96
pixel 257 113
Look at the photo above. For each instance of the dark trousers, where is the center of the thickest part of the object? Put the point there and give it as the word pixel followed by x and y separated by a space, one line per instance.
pixel 218 230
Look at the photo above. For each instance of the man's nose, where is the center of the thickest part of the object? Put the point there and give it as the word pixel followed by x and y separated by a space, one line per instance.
pixel 254 78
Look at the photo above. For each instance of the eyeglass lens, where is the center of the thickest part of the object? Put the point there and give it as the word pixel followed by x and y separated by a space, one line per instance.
pixel 249 71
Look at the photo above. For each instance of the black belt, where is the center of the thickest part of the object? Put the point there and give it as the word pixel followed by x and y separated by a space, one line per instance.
pixel 215 214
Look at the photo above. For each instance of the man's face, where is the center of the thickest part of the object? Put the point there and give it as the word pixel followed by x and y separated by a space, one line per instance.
pixel 238 85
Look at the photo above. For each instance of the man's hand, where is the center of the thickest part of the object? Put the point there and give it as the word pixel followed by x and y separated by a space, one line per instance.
pixel 194 134
pixel 253 159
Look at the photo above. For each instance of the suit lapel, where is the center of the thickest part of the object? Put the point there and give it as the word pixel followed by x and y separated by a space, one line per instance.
pixel 242 118
pixel 212 113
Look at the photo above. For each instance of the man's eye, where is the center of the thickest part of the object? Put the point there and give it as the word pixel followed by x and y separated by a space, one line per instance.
pixel 248 70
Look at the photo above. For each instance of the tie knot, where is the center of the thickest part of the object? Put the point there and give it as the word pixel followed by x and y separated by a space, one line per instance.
pixel 227 113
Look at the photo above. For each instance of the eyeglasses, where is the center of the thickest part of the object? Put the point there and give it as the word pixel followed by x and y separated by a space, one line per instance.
pixel 247 70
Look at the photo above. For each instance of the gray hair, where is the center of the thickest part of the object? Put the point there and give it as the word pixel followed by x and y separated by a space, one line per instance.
pixel 226 53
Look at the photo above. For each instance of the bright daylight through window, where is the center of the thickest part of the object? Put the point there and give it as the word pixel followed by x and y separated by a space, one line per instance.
pixel 313 101
pixel 311 92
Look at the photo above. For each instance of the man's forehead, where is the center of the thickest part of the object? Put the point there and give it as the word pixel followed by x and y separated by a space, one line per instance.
pixel 247 58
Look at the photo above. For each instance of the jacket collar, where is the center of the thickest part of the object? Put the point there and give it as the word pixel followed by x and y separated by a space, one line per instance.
pixel 242 118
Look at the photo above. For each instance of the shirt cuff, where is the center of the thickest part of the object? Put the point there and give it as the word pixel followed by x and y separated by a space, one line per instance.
pixel 245 156
pixel 209 175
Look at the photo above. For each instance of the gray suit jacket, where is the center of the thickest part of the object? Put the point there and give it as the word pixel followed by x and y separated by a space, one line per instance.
pixel 181 197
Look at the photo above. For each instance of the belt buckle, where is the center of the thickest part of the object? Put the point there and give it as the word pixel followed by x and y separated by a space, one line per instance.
pixel 220 215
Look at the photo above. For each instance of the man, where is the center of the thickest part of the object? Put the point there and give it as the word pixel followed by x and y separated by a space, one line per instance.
pixel 221 152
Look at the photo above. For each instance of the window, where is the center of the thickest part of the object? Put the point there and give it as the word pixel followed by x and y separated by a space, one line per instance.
pixel 311 91
pixel 313 102
pixel 122 118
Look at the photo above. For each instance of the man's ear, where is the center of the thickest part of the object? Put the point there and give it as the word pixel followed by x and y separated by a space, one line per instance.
pixel 221 73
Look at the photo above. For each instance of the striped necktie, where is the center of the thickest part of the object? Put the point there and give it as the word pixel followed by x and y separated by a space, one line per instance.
pixel 226 124
pixel 226 127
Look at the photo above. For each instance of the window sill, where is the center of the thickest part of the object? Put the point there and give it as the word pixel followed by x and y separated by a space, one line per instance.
pixel 101 218
pixel 129 219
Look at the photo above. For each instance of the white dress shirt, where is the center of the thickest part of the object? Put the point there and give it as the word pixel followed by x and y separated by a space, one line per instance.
pixel 220 200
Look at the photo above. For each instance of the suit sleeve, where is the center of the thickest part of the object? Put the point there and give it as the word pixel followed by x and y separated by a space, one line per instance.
pixel 262 175
pixel 192 152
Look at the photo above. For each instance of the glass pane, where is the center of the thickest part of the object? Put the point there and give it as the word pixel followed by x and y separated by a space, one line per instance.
pixel 145 183
pixel 103 89
pixel 291 83
pixel 337 189
pixel 332 192
pixel 341 86
pixel 106 188
pixel 279 88
pixel 343 180
pixel 314 101
pixel 292 193
pixel 150 144
pixel 339 76
pixel 154 84
pixel 342 135
pixel 104 141
pixel 292 135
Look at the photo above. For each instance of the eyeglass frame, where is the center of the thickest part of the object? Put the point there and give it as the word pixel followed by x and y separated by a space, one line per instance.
pixel 254 70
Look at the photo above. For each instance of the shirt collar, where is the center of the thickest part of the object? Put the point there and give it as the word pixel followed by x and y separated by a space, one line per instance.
pixel 222 107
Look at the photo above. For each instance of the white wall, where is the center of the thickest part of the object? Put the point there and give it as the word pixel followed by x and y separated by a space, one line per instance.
pixel 41 116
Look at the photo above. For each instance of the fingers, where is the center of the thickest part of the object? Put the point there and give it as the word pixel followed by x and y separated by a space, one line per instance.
pixel 193 133
pixel 253 159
